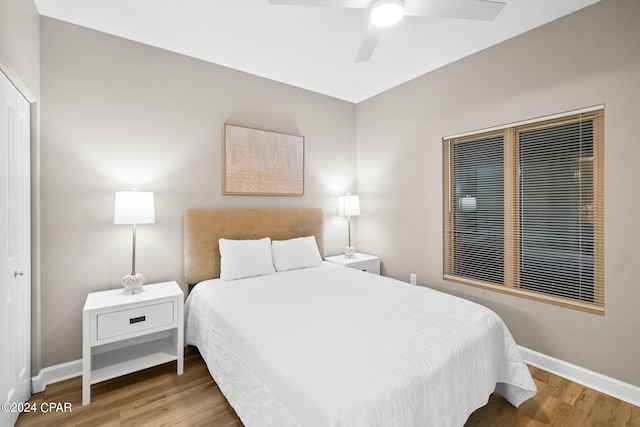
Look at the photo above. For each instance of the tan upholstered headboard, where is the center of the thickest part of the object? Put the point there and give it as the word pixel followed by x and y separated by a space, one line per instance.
pixel 203 228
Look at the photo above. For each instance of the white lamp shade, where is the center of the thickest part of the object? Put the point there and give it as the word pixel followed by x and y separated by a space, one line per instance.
pixel 134 207
pixel 349 205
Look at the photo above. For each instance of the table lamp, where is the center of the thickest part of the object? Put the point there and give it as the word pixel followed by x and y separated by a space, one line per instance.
pixel 349 206
pixel 133 208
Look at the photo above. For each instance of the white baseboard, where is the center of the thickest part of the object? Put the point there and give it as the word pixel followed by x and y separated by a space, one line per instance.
pixel 615 388
pixel 56 373
pixel 607 385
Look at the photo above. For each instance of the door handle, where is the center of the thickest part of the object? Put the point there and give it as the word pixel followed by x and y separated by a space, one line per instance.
pixel 18 273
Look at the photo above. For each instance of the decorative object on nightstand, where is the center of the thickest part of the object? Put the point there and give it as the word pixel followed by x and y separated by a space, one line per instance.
pixel 134 208
pixel 364 262
pixel 122 334
pixel 349 206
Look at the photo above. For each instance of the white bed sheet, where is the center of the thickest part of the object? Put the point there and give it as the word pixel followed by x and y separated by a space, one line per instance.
pixel 334 346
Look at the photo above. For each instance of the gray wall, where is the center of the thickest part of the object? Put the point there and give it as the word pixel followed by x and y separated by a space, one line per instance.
pixel 20 42
pixel 118 114
pixel 587 58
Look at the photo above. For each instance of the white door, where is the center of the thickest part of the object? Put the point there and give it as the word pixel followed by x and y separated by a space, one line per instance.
pixel 15 251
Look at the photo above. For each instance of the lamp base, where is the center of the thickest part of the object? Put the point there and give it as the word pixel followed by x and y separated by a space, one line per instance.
pixel 133 283
pixel 350 251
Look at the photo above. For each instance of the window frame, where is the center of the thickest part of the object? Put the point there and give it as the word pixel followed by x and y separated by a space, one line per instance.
pixel 511 208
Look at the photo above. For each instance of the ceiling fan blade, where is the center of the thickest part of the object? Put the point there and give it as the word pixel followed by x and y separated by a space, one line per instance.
pixel 324 3
pixel 369 42
pixel 482 10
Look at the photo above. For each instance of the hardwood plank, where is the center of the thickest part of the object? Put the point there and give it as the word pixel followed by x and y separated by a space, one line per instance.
pixel 158 397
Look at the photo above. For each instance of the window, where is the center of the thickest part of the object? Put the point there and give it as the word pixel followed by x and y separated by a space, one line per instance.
pixel 523 209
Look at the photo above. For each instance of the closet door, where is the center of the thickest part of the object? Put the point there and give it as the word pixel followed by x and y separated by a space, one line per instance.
pixel 15 250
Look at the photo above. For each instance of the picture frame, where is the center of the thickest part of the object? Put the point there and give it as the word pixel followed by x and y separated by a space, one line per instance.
pixel 259 162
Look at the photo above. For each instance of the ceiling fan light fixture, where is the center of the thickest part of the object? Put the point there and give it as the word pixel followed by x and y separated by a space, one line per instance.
pixel 385 13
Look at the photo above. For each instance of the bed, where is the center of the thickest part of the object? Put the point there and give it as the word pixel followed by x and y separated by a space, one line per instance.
pixel 327 345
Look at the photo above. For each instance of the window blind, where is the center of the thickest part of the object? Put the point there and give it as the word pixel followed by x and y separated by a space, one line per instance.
pixel 523 209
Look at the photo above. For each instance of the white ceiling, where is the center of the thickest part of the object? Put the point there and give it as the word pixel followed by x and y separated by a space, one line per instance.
pixel 309 47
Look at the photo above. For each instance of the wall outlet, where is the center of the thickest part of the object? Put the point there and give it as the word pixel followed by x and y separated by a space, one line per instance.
pixel 413 278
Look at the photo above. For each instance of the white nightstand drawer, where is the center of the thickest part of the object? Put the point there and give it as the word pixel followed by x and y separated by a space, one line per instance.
pixel 360 261
pixel 134 320
pixel 370 266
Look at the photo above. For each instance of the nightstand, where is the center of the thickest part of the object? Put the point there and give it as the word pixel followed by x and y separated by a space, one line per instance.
pixel 123 333
pixel 364 262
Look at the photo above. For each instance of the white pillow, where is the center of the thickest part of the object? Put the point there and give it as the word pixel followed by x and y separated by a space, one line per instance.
pixel 245 258
pixel 301 252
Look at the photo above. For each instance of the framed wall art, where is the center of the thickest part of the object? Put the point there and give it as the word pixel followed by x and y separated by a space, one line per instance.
pixel 261 162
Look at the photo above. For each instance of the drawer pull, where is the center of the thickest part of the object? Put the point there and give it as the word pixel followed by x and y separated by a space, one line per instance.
pixel 137 319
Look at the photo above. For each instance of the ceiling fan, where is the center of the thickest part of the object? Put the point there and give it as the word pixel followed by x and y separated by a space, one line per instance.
pixel 384 13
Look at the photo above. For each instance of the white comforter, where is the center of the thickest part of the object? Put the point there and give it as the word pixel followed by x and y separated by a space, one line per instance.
pixel 334 346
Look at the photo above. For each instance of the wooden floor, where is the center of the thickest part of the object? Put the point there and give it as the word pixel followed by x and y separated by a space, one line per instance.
pixel 158 397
